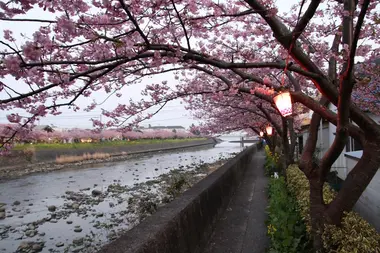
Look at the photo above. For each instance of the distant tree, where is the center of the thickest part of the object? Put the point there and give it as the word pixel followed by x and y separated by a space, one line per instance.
pixel 48 129
pixel 194 130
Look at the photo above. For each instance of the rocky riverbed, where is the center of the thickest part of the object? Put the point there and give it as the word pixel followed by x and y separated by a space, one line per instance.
pixel 10 172
pixel 81 210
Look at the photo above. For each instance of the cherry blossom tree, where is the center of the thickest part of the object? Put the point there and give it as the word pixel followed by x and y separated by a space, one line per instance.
pixel 213 48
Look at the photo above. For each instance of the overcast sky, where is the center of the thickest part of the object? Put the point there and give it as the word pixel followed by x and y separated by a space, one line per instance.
pixel 174 112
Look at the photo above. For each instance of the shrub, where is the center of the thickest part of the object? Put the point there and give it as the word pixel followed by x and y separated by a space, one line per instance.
pixel 177 184
pixel 79 158
pixel 286 229
pixel 29 153
pixel 354 235
pixel 271 162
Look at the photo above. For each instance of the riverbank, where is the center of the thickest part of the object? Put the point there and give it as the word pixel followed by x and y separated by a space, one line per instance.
pixel 81 210
pixel 92 145
pixel 12 168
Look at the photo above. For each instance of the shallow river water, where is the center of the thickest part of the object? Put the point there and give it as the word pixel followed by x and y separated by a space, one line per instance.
pixel 81 217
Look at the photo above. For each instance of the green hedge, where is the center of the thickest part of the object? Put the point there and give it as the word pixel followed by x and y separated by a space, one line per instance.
pixel 286 229
pixel 354 234
pixel 271 162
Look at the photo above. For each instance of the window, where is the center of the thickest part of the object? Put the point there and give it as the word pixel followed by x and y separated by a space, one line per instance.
pixel 353 145
pixel 300 144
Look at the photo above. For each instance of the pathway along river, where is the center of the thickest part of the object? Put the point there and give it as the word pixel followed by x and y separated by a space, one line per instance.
pixel 79 210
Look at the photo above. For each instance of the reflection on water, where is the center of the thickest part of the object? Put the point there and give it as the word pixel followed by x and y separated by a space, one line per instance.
pixel 27 199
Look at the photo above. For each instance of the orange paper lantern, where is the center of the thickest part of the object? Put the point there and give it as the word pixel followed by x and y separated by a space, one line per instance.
pixel 269 130
pixel 283 102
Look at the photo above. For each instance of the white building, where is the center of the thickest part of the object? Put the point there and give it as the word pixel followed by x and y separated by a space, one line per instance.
pixel 369 203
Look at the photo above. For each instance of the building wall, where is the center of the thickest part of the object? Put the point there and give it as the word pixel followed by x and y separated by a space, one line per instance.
pixel 339 165
pixel 369 203
pixel 323 145
pixel 368 206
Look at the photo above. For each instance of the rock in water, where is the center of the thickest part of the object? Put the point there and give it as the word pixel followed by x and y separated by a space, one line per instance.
pixel 31 233
pixel 30 247
pixel 96 192
pixel 78 230
pixel 37 247
pixel 78 241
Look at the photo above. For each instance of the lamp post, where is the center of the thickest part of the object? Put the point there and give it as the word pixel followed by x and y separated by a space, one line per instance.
pixel 269 130
pixel 283 103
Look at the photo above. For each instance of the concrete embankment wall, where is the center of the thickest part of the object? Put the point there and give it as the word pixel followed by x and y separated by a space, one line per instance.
pixel 185 224
pixel 49 155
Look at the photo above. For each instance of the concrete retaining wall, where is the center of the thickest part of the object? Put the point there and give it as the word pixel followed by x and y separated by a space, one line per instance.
pixel 185 225
pixel 17 158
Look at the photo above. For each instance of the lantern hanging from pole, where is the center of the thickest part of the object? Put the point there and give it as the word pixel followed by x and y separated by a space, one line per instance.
pixel 283 102
pixel 269 130
pixel 261 133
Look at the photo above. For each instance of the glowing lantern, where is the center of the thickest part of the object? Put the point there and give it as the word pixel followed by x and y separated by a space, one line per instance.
pixel 269 130
pixel 283 102
pixel 261 133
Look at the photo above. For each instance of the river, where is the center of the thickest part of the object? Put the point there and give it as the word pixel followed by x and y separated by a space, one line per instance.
pixel 93 215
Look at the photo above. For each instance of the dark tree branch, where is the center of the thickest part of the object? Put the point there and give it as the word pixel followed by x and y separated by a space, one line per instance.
pixel 354 43
pixel 327 114
pixel 183 25
pixel 28 20
pixel 271 120
pixel 301 25
pixel 345 90
pixel 240 14
pixel 243 109
pixel 293 136
pixel 294 81
pixel 124 6
pixel 73 77
pixel 211 73
pixel 11 89
pixel 14 50
pixel 311 143
pixel 323 84
pixel 332 60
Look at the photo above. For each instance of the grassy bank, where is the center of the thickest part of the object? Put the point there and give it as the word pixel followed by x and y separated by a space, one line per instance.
pixel 100 144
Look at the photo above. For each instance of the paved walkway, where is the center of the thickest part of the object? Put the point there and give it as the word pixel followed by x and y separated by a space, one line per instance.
pixel 241 228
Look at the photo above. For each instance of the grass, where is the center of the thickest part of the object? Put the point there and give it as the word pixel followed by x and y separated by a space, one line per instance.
pixel 39 146
pixel 78 158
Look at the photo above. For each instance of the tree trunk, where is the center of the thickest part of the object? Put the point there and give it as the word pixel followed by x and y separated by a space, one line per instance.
pixel 271 141
pixel 356 182
pixel 287 156
pixel 317 209
pixel 293 139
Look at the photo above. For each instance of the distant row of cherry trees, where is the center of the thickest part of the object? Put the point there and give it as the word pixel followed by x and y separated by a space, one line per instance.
pixel 49 135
